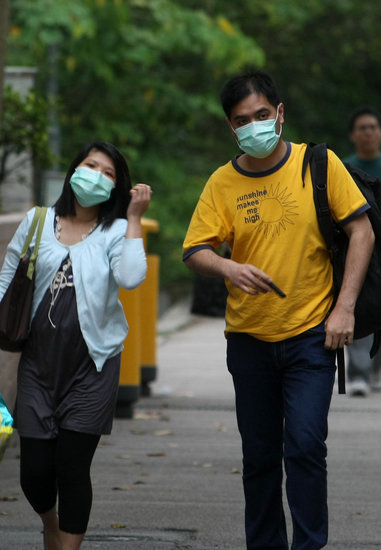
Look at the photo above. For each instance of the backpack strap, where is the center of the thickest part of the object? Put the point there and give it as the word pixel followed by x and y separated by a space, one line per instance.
pixel 340 370
pixel 306 160
pixel 318 160
pixel 316 156
pixel 376 343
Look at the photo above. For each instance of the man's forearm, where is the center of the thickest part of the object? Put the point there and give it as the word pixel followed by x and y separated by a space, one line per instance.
pixel 208 263
pixel 339 326
pixel 361 243
pixel 247 277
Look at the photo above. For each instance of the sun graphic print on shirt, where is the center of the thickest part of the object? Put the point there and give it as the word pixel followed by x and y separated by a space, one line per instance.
pixel 270 210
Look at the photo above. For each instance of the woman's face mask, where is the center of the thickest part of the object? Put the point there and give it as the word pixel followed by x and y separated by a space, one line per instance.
pixel 90 187
pixel 259 139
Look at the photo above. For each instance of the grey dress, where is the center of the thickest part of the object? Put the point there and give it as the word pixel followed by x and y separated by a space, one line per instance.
pixel 58 384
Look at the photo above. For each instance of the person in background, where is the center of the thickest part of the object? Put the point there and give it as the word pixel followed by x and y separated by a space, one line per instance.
pixel 363 372
pixel 281 344
pixel 68 374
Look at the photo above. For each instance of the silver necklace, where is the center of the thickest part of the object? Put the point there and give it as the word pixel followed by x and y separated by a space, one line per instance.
pixel 58 227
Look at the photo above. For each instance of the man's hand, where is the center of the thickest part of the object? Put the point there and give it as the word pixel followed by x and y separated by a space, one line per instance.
pixel 248 278
pixel 339 328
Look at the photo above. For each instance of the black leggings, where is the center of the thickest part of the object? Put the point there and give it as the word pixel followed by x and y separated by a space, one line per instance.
pixel 60 465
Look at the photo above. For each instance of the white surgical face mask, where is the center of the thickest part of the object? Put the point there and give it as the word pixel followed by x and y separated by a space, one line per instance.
pixel 259 139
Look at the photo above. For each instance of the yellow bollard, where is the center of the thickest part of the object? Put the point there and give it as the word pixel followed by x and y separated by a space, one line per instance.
pixel 149 311
pixel 148 319
pixel 149 226
pixel 130 375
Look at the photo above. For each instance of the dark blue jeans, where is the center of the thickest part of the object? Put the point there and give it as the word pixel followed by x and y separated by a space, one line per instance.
pixel 283 393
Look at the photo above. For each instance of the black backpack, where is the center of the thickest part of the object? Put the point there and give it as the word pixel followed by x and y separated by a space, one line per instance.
pixel 368 305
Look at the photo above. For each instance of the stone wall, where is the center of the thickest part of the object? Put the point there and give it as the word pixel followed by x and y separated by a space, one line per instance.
pixel 8 361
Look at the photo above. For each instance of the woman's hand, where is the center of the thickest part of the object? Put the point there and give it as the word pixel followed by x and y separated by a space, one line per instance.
pixel 140 199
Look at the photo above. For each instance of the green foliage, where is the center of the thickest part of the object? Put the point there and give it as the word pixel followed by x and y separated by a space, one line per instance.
pixel 24 128
pixel 143 75
pixel 325 57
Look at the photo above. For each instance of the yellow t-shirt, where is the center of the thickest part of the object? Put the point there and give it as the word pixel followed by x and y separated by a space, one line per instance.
pixel 269 220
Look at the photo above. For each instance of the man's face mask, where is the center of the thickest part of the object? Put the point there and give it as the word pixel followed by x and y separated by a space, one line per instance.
pixel 259 139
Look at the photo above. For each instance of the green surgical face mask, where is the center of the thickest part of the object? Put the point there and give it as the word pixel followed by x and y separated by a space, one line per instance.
pixel 90 187
pixel 258 139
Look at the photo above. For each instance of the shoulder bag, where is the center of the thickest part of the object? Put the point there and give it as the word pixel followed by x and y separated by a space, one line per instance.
pixel 16 304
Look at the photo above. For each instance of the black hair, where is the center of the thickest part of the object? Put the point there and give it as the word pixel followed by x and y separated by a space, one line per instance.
pixel 116 206
pixel 241 86
pixel 362 111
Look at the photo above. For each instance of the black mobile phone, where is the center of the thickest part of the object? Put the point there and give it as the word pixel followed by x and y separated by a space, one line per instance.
pixel 277 290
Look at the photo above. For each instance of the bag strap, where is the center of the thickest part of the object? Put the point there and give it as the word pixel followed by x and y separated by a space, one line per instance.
pixel 318 159
pixel 32 229
pixel 316 156
pixel 38 218
pixel 306 160
pixel 376 343
pixel 340 370
pixel 33 258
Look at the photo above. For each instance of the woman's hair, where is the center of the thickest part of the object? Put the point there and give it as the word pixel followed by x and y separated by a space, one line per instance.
pixel 116 206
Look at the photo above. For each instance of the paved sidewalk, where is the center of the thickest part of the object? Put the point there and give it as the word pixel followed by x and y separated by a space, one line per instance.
pixel 170 478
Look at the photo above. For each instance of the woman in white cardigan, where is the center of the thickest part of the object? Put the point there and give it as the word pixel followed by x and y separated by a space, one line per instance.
pixel 69 369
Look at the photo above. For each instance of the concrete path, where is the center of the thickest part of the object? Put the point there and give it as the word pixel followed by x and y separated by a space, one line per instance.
pixel 170 478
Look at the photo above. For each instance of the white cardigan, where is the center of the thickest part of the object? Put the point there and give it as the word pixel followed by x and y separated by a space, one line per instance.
pixel 102 263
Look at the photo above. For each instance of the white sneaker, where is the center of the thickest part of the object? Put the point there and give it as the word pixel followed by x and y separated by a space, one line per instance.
pixel 359 388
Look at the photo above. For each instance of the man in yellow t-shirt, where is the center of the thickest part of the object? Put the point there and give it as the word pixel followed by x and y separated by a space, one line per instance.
pixel 280 346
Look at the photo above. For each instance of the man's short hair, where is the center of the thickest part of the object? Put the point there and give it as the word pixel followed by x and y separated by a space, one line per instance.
pixel 241 86
pixel 362 111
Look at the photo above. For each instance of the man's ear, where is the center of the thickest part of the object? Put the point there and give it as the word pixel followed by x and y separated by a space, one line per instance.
pixel 281 112
pixel 232 130
pixel 227 120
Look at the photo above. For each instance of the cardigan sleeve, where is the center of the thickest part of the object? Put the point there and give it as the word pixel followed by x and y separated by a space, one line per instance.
pixel 12 255
pixel 130 271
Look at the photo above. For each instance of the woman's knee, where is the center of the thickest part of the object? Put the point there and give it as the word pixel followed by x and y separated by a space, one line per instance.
pixel 37 473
